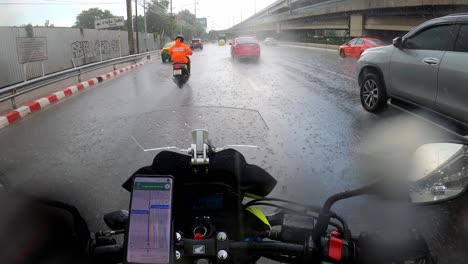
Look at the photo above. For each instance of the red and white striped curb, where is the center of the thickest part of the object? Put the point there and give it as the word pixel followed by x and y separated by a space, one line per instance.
pixel 43 102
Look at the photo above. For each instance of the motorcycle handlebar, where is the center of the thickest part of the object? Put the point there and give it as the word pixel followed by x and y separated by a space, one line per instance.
pixel 367 249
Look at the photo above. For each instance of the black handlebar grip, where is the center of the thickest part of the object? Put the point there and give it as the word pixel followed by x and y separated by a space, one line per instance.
pixel 372 249
pixel 108 254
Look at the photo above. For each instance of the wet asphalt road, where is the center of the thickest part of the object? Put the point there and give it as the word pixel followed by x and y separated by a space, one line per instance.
pixel 316 138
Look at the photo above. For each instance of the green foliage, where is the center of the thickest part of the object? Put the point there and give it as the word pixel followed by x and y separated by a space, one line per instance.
pixel 29 30
pixel 160 21
pixel 187 25
pixel 86 18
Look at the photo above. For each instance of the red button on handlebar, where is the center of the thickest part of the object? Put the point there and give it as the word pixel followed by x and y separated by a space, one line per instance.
pixel 198 236
pixel 335 245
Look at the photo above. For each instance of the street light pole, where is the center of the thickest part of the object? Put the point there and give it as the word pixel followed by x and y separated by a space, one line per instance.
pixel 146 29
pixel 136 27
pixel 131 44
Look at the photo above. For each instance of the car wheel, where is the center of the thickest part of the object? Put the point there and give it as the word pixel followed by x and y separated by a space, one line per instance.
pixel 373 95
pixel 342 53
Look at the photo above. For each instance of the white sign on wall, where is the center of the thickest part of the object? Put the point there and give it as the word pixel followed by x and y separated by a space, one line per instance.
pixel 109 22
pixel 31 49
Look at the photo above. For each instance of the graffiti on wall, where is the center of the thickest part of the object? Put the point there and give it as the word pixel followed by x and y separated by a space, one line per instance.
pixel 82 49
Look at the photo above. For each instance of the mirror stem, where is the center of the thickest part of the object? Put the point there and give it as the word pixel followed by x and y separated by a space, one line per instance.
pixel 325 215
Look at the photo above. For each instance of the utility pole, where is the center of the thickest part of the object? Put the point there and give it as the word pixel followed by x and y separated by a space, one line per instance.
pixel 255 6
pixel 136 27
pixel 131 45
pixel 146 29
pixel 195 6
pixel 171 7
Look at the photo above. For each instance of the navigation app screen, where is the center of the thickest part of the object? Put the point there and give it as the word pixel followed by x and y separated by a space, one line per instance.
pixel 149 235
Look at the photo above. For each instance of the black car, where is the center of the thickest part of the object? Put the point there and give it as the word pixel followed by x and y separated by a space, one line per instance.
pixel 196 44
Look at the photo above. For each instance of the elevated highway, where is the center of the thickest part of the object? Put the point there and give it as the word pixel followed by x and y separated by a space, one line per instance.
pixel 353 18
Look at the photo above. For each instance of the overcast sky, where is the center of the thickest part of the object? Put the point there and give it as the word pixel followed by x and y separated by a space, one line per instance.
pixel 221 14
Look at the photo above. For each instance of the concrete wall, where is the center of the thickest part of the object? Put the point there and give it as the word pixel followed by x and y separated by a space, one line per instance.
pixel 66 47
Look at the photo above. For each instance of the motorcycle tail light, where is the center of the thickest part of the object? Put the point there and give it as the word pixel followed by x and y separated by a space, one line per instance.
pixel 177 67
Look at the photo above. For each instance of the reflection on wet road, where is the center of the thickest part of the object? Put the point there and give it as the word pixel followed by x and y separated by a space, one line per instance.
pixel 316 136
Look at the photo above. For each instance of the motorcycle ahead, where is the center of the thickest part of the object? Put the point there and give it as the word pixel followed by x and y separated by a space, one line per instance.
pixel 180 74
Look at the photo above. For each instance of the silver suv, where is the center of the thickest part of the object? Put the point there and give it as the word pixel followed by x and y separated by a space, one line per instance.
pixel 427 67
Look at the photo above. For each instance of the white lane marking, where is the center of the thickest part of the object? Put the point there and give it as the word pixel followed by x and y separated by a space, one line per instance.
pixel 3 121
pixel 252 84
pixel 73 89
pixel 23 111
pixel 43 102
pixel 59 95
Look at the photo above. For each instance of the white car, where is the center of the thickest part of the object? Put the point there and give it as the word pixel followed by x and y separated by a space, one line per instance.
pixel 438 188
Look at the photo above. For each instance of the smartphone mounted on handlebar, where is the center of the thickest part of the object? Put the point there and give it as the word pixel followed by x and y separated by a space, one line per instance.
pixel 148 237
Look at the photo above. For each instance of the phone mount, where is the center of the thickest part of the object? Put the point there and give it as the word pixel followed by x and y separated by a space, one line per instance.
pixel 199 149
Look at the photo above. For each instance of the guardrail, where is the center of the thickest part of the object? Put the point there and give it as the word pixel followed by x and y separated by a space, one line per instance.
pixel 10 92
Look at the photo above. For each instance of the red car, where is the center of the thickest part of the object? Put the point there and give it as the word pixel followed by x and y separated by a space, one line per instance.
pixel 355 47
pixel 245 47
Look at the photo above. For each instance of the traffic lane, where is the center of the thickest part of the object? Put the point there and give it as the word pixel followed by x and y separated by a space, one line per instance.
pixel 322 59
pixel 297 109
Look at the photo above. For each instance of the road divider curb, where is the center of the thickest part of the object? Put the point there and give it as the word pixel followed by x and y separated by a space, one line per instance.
pixel 43 102
pixel 310 45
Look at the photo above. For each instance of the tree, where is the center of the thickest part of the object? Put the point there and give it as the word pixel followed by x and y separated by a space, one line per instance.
pixel 86 18
pixel 188 26
pixel 157 17
pixel 47 24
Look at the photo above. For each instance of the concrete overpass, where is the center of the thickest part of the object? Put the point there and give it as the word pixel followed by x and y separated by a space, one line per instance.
pixel 455 169
pixel 352 18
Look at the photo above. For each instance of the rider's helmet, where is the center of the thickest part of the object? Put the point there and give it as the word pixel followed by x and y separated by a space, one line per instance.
pixel 180 37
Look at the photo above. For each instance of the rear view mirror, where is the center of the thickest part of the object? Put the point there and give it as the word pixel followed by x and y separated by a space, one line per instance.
pixel 439 172
pixel 397 42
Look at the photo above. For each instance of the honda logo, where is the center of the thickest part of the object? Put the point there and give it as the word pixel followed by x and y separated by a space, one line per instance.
pixel 199 249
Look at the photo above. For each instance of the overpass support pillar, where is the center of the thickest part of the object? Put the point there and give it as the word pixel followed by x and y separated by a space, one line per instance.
pixel 278 28
pixel 356 25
